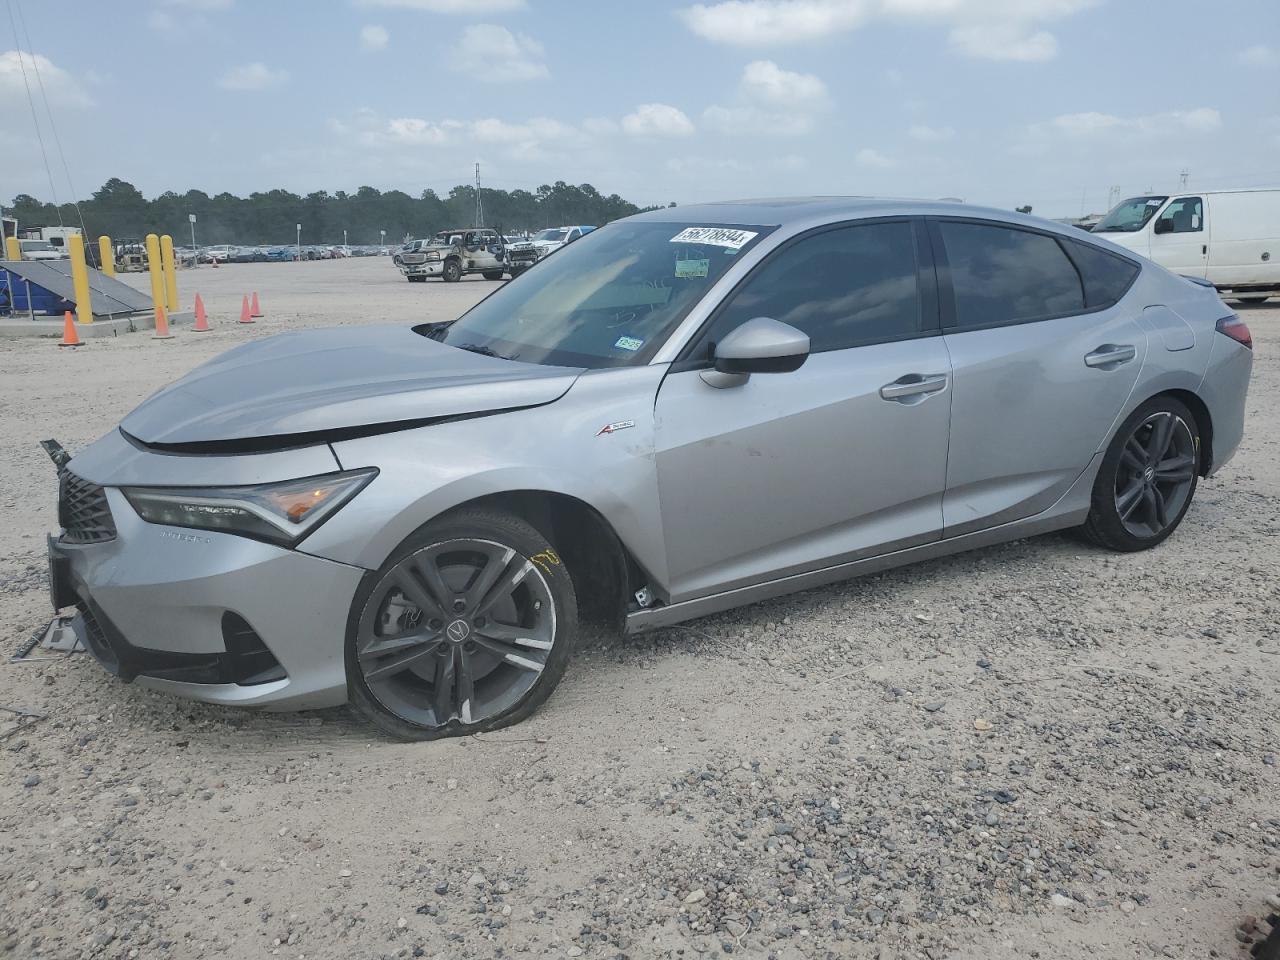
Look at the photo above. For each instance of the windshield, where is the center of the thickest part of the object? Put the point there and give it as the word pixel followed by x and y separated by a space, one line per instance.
pixel 1130 215
pixel 555 236
pixel 607 300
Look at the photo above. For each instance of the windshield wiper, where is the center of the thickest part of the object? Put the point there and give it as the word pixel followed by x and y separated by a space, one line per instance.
pixel 433 331
pixel 476 348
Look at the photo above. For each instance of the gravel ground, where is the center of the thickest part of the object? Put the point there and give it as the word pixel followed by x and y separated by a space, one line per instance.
pixel 1037 749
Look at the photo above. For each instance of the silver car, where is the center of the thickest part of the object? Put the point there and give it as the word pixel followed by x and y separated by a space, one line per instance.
pixel 684 411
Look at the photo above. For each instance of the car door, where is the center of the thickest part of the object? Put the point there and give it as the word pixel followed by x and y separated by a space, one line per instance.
pixel 1044 352
pixel 1180 237
pixel 841 459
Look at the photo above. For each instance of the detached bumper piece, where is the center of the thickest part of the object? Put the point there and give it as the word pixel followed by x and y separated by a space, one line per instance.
pixel 246 662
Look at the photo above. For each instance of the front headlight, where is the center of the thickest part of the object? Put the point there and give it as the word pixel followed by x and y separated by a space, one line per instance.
pixel 280 513
pixel 433 255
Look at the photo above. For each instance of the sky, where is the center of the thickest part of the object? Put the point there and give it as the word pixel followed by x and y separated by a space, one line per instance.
pixel 1060 104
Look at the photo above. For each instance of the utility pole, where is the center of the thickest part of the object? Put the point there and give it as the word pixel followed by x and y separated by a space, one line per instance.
pixel 195 251
pixel 1185 176
pixel 479 203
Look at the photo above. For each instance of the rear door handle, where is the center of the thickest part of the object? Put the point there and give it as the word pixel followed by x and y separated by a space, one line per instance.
pixel 913 385
pixel 1110 355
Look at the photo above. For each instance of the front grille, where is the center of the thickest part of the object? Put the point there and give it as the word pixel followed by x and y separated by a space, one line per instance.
pixel 523 254
pixel 83 510
pixel 413 258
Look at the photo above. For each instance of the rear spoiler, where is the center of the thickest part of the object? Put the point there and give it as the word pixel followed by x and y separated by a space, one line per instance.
pixel 1199 281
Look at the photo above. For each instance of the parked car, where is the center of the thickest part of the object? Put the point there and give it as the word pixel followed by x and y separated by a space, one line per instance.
pixel 690 409
pixel 1229 237
pixel 525 254
pixel 452 254
pixel 42 250
pixel 218 253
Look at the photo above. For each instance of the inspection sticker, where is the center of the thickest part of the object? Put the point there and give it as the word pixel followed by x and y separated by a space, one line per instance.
pixel 726 237
pixel 629 343
pixel 692 268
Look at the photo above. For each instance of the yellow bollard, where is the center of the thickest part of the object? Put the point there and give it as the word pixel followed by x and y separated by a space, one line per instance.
pixel 80 279
pixel 12 248
pixel 106 256
pixel 153 267
pixel 170 277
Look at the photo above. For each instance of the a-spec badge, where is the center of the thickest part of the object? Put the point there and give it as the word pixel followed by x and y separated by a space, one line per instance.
pixel 615 427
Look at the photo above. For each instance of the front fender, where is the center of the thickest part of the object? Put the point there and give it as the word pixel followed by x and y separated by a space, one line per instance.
pixel 558 447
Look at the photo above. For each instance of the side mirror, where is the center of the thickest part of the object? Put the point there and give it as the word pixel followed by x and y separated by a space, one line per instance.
pixel 1164 225
pixel 762 345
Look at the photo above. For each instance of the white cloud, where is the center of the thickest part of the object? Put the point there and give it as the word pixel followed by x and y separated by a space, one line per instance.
pixel 469 7
pixel 764 80
pixel 536 130
pixel 252 76
pixel 373 38
pixel 867 157
pixel 927 134
pixel 600 126
pixel 748 119
pixel 989 29
pixel 772 102
pixel 657 120
pixel 1259 55
pixel 496 55
pixel 59 85
pixel 412 131
pixel 1077 126
pixel 199 4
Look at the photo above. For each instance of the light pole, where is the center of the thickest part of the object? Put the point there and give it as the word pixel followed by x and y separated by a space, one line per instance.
pixel 345 251
pixel 195 251
pixel 382 242
pixel 299 242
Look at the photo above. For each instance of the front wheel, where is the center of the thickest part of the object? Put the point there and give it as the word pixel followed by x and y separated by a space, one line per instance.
pixel 467 627
pixel 1147 478
pixel 452 271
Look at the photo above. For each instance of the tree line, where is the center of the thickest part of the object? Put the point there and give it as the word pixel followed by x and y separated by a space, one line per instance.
pixel 120 210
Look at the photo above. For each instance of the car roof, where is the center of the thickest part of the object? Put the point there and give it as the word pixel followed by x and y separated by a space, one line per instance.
pixel 790 210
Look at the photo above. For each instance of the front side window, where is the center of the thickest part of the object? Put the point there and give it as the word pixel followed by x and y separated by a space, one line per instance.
pixel 844 288
pixel 1001 275
pixel 1130 216
pixel 611 299
pixel 1183 215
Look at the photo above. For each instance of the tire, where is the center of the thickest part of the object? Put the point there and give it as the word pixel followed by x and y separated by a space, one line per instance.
pixel 421 677
pixel 492 274
pixel 1122 520
pixel 1252 298
pixel 452 271
pixel 415 278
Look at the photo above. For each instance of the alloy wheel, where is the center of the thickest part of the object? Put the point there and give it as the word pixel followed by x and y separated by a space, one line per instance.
pixel 457 631
pixel 1155 475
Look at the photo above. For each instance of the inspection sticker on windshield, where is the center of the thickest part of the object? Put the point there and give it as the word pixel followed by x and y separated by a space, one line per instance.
pixel 715 236
pixel 629 343
pixel 692 268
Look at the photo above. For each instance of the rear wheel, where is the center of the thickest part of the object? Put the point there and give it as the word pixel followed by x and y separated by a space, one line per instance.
pixel 452 271
pixel 1147 478
pixel 492 274
pixel 1251 297
pixel 467 627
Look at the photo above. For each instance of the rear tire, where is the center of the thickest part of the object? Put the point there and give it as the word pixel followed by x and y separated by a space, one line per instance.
pixel 452 271
pixel 492 274
pixel 1147 479
pixel 467 627
pixel 1257 298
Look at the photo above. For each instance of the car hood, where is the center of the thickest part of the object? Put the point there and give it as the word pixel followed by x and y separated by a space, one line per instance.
pixel 319 381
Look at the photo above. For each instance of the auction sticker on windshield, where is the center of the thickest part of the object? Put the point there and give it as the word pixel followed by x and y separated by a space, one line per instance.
pixel 715 236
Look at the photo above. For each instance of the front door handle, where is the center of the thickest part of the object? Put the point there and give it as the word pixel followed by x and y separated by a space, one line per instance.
pixel 1110 355
pixel 913 385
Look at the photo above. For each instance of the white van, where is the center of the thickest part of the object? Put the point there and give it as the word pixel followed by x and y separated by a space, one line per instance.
pixel 1229 237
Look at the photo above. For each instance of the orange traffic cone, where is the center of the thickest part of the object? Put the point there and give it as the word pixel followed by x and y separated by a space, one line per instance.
pixel 245 316
pixel 162 325
pixel 202 319
pixel 256 310
pixel 70 338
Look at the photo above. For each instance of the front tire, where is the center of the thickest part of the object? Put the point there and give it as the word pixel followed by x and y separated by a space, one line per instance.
pixel 1147 479
pixel 467 627
pixel 452 271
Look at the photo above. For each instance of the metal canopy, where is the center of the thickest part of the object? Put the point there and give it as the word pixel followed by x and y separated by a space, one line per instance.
pixel 108 296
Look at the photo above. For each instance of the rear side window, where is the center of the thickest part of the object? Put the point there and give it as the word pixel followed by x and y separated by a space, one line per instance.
pixel 1001 275
pixel 844 287
pixel 1106 276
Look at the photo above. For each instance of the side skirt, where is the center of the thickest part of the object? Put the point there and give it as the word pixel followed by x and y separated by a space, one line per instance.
pixel 656 617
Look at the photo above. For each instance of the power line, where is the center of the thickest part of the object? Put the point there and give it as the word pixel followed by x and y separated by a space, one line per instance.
pixel 35 64
pixel 17 43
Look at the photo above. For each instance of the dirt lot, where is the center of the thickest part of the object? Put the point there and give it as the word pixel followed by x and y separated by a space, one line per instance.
pixel 1037 749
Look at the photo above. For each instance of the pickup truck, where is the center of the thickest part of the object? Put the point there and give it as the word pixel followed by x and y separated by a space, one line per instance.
pixel 452 254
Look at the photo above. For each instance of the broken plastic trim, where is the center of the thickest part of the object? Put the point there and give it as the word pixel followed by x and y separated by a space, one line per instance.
pixel 280 442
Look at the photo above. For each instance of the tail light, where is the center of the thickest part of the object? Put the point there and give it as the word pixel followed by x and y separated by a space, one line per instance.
pixel 1237 330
